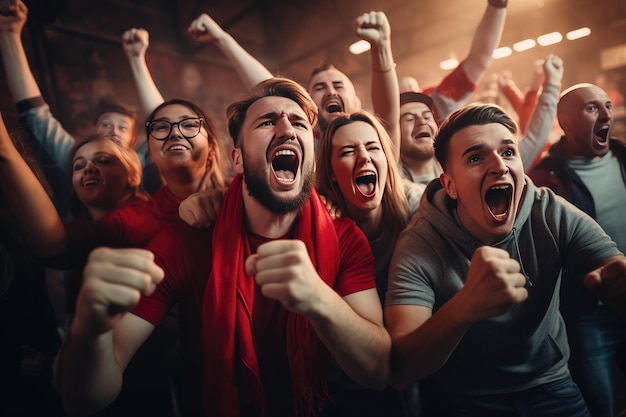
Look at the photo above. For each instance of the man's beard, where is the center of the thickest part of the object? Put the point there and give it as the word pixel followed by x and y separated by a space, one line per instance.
pixel 419 153
pixel 259 189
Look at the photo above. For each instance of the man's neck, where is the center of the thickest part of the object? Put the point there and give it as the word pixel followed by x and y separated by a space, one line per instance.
pixel 419 167
pixel 263 222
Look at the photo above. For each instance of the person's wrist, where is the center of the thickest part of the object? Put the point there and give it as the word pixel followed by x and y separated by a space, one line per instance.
pixel 499 4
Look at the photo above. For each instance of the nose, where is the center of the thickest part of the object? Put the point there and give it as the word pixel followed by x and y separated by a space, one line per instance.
pixel 284 128
pixel 498 166
pixel 330 90
pixel 363 156
pixel 90 166
pixel 175 131
pixel 605 113
pixel 418 121
pixel 419 118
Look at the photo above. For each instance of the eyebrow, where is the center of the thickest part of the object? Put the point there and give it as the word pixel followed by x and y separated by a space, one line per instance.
pixel 505 141
pixel 323 83
pixel 183 117
pixel 414 113
pixel 371 142
pixel 276 115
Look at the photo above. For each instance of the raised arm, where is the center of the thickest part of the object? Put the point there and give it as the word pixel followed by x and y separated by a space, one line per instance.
pixel 34 112
pixel 459 85
pixel 486 39
pixel 250 70
pixel 135 43
pixel 102 337
pixel 511 91
pixel 374 28
pixel 33 209
pixel 542 118
pixel 20 79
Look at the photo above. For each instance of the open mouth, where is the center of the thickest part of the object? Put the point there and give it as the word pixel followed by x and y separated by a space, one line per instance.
pixel 498 200
pixel 366 183
pixel 422 135
pixel 90 183
pixel 334 107
pixel 177 148
pixel 285 165
pixel 602 134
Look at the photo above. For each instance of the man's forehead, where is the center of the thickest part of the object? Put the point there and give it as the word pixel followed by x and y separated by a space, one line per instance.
pixel 492 133
pixel 583 95
pixel 413 107
pixel 593 94
pixel 274 104
pixel 115 116
pixel 332 75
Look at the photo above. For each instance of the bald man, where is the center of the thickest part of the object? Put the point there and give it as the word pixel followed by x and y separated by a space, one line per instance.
pixel 587 168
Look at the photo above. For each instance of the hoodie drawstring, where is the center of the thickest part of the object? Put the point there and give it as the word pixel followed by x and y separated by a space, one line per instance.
pixel 529 283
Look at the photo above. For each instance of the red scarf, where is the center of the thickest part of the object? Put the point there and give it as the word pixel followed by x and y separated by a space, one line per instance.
pixel 229 351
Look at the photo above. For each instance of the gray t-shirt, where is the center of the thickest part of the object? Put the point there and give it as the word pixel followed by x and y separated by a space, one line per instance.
pixel 527 346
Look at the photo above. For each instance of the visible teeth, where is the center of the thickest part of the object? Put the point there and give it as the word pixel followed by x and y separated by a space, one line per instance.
pixel 364 174
pixel 499 187
pixel 90 182
pixel 285 152
pixel 501 216
pixel 177 148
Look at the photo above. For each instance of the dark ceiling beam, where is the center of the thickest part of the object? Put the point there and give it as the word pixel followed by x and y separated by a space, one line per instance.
pixel 239 16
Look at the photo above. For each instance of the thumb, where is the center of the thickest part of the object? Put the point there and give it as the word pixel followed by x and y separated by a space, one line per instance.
pixel 250 264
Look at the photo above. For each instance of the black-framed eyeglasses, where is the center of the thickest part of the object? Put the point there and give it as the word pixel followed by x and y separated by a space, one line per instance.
pixel 161 129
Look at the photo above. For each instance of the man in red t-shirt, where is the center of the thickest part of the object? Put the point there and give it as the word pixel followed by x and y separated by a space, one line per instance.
pixel 267 297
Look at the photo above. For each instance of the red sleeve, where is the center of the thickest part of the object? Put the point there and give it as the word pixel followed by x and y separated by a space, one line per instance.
pixel 184 254
pixel 129 226
pixel 356 268
pixel 456 84
pixel 530 102
pixel 453 91
pixel 514 96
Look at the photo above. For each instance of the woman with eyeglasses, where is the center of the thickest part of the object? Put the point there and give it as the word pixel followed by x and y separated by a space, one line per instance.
pixel 184 147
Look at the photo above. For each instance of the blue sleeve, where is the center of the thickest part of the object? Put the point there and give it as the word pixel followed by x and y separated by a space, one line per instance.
pixel 48 132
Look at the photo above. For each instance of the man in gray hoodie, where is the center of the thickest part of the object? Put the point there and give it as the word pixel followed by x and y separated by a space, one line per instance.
pixel 473 298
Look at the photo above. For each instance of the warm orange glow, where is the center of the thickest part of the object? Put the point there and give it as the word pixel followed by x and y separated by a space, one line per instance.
pixel 358 47
pixel 449 64
pixel 502 52
pixel 524 45
pixel 549 38
pixel 578 33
